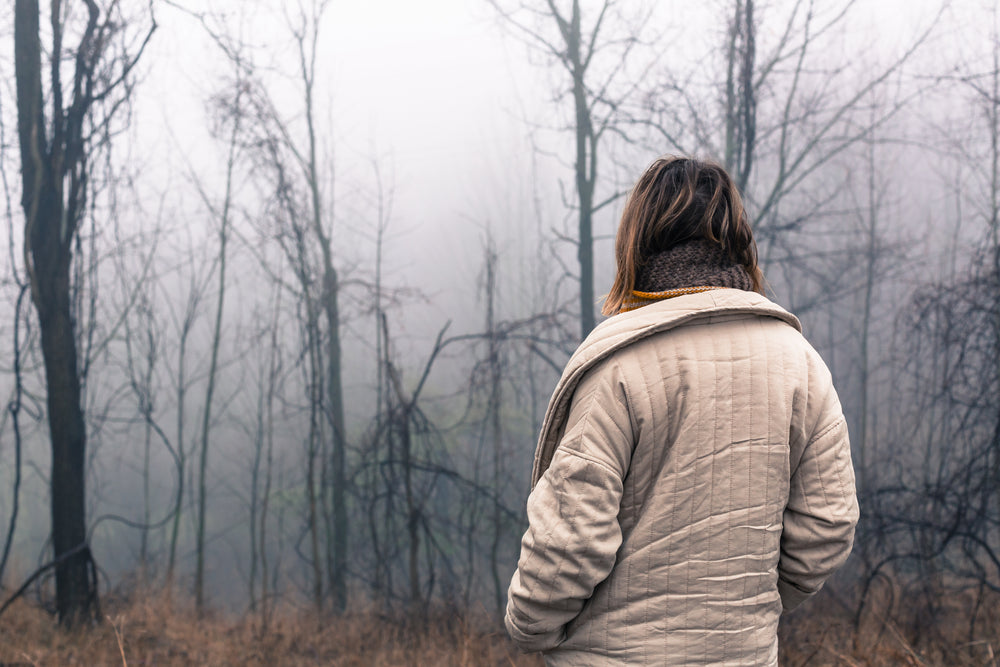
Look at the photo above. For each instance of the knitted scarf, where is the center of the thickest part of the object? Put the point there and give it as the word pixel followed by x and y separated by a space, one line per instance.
pixel 694 266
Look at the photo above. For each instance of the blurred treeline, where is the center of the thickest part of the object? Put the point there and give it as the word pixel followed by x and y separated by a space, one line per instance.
pixel 272 417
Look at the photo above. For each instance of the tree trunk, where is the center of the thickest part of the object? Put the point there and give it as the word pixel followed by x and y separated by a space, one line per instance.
pixel 15 412
pixel 75 593
pixel 741 95
pixel 181 453
pixel 586 163
pixel 412 513
pixel 199 576
pixel 315 400
pixel 336 409
pixel 49 229
pixel 871 275
pixel 337 542
pixel 496 428
pixel 224 223
pixel 272 381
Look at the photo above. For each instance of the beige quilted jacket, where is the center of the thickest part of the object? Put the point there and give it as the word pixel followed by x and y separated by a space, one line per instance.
pixel 693 476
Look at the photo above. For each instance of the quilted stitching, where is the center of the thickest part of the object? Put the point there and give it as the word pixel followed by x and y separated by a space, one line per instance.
pixel 658 411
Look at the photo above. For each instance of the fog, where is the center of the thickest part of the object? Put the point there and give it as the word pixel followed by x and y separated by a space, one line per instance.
pixel 439 160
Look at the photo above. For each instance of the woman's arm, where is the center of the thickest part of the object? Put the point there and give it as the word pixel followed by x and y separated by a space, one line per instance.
pixel 573 532
pixel 822 510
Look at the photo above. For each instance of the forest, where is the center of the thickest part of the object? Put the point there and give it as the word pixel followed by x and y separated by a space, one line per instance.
pixel 286 286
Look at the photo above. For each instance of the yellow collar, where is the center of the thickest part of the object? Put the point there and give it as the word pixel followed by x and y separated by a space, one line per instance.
pixel 639 299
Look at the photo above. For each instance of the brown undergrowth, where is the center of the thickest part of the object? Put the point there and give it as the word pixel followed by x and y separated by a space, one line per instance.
pixel 150 631
pixel 948 629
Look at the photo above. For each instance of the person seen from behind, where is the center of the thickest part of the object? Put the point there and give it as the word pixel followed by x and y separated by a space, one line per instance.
pixel 693 476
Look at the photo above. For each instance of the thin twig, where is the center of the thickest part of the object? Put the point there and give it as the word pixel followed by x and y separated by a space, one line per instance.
pixel 118 636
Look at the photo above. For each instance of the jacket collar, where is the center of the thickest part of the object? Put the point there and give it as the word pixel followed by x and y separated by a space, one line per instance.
pixel 627 328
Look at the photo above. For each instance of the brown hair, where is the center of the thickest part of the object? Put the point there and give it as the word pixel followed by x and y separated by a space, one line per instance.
pixel 680 199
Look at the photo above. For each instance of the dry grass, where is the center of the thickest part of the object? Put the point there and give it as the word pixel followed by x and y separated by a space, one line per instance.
pixel 892 634
pixel 147 632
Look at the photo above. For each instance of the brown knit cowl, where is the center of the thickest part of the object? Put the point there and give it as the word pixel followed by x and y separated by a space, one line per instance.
pixel 697 263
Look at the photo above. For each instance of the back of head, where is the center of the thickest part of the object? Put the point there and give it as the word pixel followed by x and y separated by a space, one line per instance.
pixel 678 201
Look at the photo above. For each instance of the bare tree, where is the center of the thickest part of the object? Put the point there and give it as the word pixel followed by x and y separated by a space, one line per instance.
pixel 298 174
pixel 494 363
pixel 142 352
pixel 870 213
pixel 14 409
pixel 183 325
pixel 806 123
pixel 938 512
pixel 741 94
pixel 789 109
pixel 223 214
pixel 595 56
pixel 260 496
pixel 56 149
pixel 307 38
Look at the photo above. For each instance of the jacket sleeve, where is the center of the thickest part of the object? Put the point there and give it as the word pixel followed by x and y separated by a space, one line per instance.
pixel 573 531
pixel 822 510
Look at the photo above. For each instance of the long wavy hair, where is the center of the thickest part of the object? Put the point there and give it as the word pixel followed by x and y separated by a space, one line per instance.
pixel 680 199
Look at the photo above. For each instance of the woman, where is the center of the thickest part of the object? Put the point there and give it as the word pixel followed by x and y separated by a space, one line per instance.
pixel 693 475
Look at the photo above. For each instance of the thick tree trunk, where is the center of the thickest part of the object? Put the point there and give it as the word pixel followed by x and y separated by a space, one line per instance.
pixel 75 593
pixel 49 229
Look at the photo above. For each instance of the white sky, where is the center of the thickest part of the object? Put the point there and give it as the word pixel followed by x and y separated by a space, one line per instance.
pixel 426 85
pixel 438 89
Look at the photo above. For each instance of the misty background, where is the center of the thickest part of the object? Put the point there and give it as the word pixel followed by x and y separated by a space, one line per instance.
pixel 417 163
